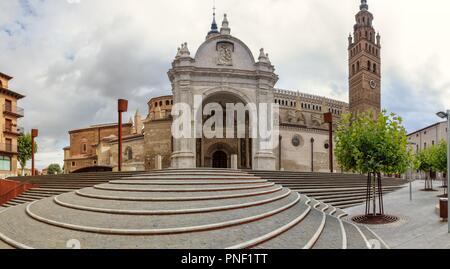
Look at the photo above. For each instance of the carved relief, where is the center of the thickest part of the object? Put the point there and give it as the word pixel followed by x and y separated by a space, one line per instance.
pixel 225 51
pixel 296 117
pixel 316 120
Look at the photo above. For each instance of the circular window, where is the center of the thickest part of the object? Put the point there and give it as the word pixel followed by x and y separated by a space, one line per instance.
pixel 297 141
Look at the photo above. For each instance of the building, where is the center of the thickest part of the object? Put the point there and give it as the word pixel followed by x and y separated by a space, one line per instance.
pixel 9 126
pixel 428 137
pixel 86 146
pixel 364 52
pixel 225 71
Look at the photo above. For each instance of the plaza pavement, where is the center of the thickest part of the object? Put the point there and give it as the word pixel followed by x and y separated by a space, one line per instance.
pixel 420 226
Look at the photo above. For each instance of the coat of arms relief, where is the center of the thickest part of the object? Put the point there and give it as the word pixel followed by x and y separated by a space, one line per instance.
pixel 225 51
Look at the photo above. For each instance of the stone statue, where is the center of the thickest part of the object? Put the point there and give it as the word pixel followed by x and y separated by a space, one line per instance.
pixel 296 117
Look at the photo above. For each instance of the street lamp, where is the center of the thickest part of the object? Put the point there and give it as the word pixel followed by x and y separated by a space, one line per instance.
pixel 411 175
pixel 34 134
pixel 122 106
pixel 446 116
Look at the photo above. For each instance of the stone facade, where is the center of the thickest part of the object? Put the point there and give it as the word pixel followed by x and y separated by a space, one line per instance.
pixel 84 143
pixel 427 137
pixel 224 70
pixel 10 130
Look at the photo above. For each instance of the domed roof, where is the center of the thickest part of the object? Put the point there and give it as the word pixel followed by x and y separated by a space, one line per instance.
pixel 222 50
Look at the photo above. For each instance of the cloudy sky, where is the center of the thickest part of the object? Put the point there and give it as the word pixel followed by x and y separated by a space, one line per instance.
pixel 74 58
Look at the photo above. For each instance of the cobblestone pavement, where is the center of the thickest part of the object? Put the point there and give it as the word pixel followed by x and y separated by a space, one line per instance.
pixel 419 227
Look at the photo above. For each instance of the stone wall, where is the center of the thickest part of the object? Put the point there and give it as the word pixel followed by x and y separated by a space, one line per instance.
pixel 157 141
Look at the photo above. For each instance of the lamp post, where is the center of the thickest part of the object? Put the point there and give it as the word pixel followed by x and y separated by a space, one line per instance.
pixel 34 134
pixel 328 118
pixel 410 176
pixel 122 106
pixel 446 116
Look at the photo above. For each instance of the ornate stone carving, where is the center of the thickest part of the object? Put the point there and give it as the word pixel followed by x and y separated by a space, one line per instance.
pixel 316 120
pixel 225 51
pixel 296 117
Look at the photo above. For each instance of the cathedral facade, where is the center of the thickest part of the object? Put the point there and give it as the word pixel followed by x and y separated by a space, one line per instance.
pixel 224 70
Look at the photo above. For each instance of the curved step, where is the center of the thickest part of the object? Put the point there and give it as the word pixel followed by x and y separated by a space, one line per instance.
pixel 55 237
pixel 48 212
pixel 160 208
pixel 302 236
pixel 174 196
pixel 333 237
pixel 182 188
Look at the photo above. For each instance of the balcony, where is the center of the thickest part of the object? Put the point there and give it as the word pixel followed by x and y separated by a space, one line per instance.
pixel 8 148
pixel 13 130
pixel 14 111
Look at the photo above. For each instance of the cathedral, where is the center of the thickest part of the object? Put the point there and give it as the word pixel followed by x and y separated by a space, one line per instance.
pixel 224 70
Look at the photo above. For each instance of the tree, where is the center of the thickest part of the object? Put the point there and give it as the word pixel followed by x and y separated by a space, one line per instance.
pixel 439 157
pixel 372 147
pixel 24 150
pixel 54 169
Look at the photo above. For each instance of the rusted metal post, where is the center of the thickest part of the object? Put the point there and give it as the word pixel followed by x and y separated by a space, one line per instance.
pixel 34 134
pixel 328 118
pixel 122 107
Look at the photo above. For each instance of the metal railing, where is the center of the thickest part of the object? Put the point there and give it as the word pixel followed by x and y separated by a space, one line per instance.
pixel 15 110
pixel 9 148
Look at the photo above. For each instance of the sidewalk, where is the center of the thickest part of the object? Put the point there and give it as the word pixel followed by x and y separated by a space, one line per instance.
pixel 420 226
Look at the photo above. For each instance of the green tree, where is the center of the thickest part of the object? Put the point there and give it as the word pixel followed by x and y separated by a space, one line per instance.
pixel 372 147
pixel 439 157
pixel 24 149
pixel 54 169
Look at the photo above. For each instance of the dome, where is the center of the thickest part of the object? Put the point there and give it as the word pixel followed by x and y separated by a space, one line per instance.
pixel 224 51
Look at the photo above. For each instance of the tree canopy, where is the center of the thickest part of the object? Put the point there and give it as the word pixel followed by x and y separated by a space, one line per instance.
pixel 366 145
pixel 433 158
pixel 54 169
pixel 24 149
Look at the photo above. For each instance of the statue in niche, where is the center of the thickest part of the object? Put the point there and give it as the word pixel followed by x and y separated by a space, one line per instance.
pixel 225 54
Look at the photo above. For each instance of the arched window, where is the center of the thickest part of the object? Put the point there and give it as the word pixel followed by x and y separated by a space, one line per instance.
pixel 156 104
pixel 353 69
pixel 368 65
pixel 357 66
pixel 160 103
pixel 129 154
pixel 375 68
pixel 84 148
pixel 167 103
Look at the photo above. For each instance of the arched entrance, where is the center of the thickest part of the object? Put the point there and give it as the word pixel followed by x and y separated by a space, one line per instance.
pixel 217 152
pixel 220 160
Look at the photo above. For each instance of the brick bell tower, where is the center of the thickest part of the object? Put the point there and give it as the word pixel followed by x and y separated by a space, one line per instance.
pixel 364 52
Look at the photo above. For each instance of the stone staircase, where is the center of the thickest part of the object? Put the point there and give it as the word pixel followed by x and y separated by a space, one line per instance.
pixel 182 209
pixel 58 184
pixel 339 190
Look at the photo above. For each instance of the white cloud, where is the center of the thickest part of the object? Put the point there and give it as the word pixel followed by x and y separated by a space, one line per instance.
pixel 73 60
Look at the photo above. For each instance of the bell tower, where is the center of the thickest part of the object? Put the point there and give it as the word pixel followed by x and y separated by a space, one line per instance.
pixel 364 52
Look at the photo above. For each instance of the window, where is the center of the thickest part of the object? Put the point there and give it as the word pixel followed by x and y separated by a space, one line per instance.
pixel 357 66
pixel 167 102
pixel 129 154
pixel 156 104
pixel 74 164
pixel 375 68
pixel 368 65
pixel 5 163
pixel 160 103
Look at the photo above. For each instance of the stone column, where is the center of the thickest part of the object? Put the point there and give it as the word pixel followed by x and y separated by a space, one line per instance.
pixel 234 162
pixel 158 162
